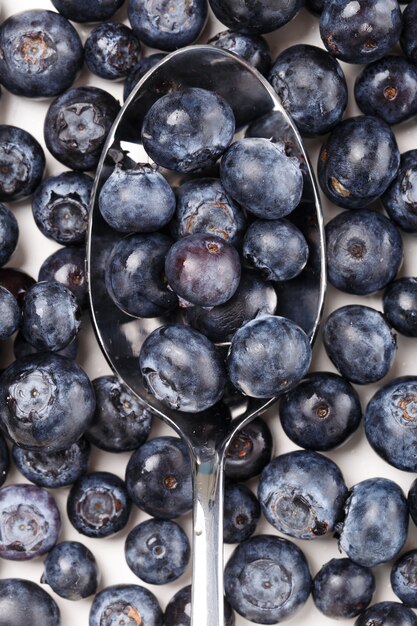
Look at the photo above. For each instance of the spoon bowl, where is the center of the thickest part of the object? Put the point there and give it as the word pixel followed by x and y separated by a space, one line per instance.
pixel 120 336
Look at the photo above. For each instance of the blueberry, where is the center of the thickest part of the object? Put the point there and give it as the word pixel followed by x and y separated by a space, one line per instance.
pixel 136 200
pixel 360 343
pixel 127 604
pixel 373 508
pixel 389 421
pixel 241 513
pixel 315 6
pixel 157 551
pixel 400 199
pixel 321 412
pixel 135 278
pixel 98 504
pixel 343 33
pixel 387 614
pixel 251 47
pixel 111 50
pixel 277 248
pixel 177 132
pixel 22 348
pixel 16 281
pixel 121 421
pixel 403 578
pixel 267 579
pixel 76 126
pixel 23 601
pixel 167 25
pixel 342 589
pixel 254 296
pixel 41 54
pixel 408 37
pixel 364 251
pixel 267 356
pixel 87 10
pixel 249 450
pixel 60 207
pixel 177 611
pixel 22 163
pixel 9 234
pixel 412 501
pixel 4 460
pixel 139 70
pixel 71 571
pixel 388 88
pixel 30 522
pixel 67 266
pixel 255 16
pixel 302 493
pixel 352 182
pixel 203 269
pixel 311 86
pixel 203 206
pixel 158 477
pixel 46 402
pixel 261 177
pixel 400 305
pixel 50 316
pixel 10 314
pixel 53 469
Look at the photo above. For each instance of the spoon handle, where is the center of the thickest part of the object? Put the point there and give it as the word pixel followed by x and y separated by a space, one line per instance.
pixel 207 584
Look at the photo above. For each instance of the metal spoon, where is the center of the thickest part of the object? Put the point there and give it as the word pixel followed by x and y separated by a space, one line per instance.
pixel 121 336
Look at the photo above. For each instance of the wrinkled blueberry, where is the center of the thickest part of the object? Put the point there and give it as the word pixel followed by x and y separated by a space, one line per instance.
pixel 30 522
pixel 255 16
pixel 111 50
pixel 71 571
pixel 178 609
pixel 400 305
pixel 403 578
pixel 158 477
pixel 302 493
pixel 373 508
pixel 132 605
pixel 400 199
pixel 311 86
pixel 360 343
pixel 157 551
pixel 178 132
pixel 241 513
pixel 22 163
pixel 387 614
pixel 267 579
pixel 76 126
pixel 249 450
pixel 67 266
pixel 98 504
pixel 9 234
pixel 251 47
pixel 87 10
pixel 24 602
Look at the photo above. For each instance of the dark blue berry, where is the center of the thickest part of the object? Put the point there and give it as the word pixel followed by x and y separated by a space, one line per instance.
pixel 358 161
pixel 360 32
pixel 373 508
pixel 22 163
pixel 16 281
pixel 87 10
pixel 400 305
pixel 177 611
pixel 119 603
pixel 111 50
pixel 249 450
pixel 60 207
pixel 98 504
pixel 30 522
pixel 76 126
pixel 400 199
pixel 53 469
pixel 251 47
pixel 157 551
pixel 121 421
pixel 364 251
pixel 261 177
pixel 360 343
pixel 342 589
pixel 9 234
pixel 403 578
pixel 408 37
pixel 241 513
pixel 387 614
pixel 267 356
pixel 302 493
pixel 23 601
pixel 46 402
pixel 71 571
pixel 4 459
pixel 267 579
pixel 158 477
pixel 41 54
pixel 10 314
pixel 167 25
pixel 321 412
pixel 139 70
pixel 255 16
pixel 177 132
pixel 67 266
pixel 311 86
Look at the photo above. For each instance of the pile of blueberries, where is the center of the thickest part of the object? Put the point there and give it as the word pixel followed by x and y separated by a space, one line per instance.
pixel 52 415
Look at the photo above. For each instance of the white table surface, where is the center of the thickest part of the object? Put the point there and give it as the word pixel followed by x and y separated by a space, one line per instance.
pixel 356 458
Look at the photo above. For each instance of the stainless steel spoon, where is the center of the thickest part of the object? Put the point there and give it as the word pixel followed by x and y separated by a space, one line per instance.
pixel 121 336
